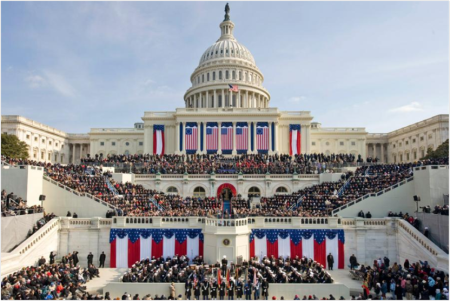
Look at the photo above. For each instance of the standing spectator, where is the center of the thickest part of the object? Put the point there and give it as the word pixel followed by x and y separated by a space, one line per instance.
pixel 256 288
pixel 330 260
pixel 75 258
pixel 52 258
pixel 353 262
pixel 102 262
pixel 90 258
pixel 41 261
pixel 426 232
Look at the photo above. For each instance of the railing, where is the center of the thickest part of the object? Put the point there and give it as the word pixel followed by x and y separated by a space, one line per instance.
pixel 420 238
pixel 431 167
pixel 18 212
pixel 28 244
pixel 351 203
pixel 48 179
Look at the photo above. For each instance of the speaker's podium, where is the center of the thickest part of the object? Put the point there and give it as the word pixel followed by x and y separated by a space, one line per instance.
pixel 226 237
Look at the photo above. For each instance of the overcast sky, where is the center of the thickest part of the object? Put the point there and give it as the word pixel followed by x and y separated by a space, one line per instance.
pixel 81 65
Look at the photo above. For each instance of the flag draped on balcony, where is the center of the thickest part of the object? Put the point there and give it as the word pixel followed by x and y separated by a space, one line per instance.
pixel 212 137
pixel 226 136
pixel 315 244
pixel 191 137
pixel 131 245
pixel 294 139
pixel 262 137
pixel 158 139
pixel 242 137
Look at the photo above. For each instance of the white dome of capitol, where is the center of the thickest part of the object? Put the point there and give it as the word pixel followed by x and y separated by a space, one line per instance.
pixel 227 48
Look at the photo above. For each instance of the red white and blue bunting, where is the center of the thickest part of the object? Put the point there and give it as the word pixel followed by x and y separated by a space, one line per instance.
pixel 315 244
pixel 131 245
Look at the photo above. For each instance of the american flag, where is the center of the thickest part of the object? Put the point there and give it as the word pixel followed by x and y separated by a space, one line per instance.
pixel 242 137
pixel 233 88
pixel 212 134
pixel 262 137
pixel 227 137
pixel 191 138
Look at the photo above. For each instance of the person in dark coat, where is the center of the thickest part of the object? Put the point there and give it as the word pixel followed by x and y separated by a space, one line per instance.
pixel 102 260
pixel 205 290
pixel 330 261
pixel 214 287
pixel 188 290
pixel 398 292
pixel 41 261
pixel 239 289
pixel 248 291
pixel 75 257
pixel 231 290
pixel 353 262
pixel 197 291
pixel 90 258
pixel 222 289
pixel 224 264
pixel 265 289
pixel 52 258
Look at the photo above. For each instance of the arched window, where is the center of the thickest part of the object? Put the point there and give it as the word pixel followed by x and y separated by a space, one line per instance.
pixel 281 190
pixel 234 74
pixel 172 190
pixel 207 76
pixel 254 191
pixel 127 152
pixel 227 74
pixel 214 75
pixel 220 74
pixel 199 192
pixel 240 75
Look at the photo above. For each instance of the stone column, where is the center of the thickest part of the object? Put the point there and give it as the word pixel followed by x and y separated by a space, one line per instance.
pixel 230 99
pixel 207 100
pixel 238 100
pixel 184 139
pixel 177 142
pixel 73 153
pixel 270 137
pixel 216 104
pixel 246 104
pixel 249 138
pixel 367 151
pixel 219 124
pixel 199 137
pixel 234 138
pixel 255 147
pixel 150 130
pixel 374 149
pixel 204 137
pixel 382 153
pixel 223 98
pixel 277 137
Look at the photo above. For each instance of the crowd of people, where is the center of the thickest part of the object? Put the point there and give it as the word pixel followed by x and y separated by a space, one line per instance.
pixel 135 200
pixel 251 279
pixel 40 223
pixel 412 280
pixel 47 281
pixel 11 205
pixel 208 163
pixel 442 210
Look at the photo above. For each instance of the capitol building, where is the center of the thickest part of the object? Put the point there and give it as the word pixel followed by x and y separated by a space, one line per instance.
pixel 109 231
pixel 227 111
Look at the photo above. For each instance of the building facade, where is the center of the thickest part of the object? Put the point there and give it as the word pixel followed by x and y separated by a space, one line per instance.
pixel 227 111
